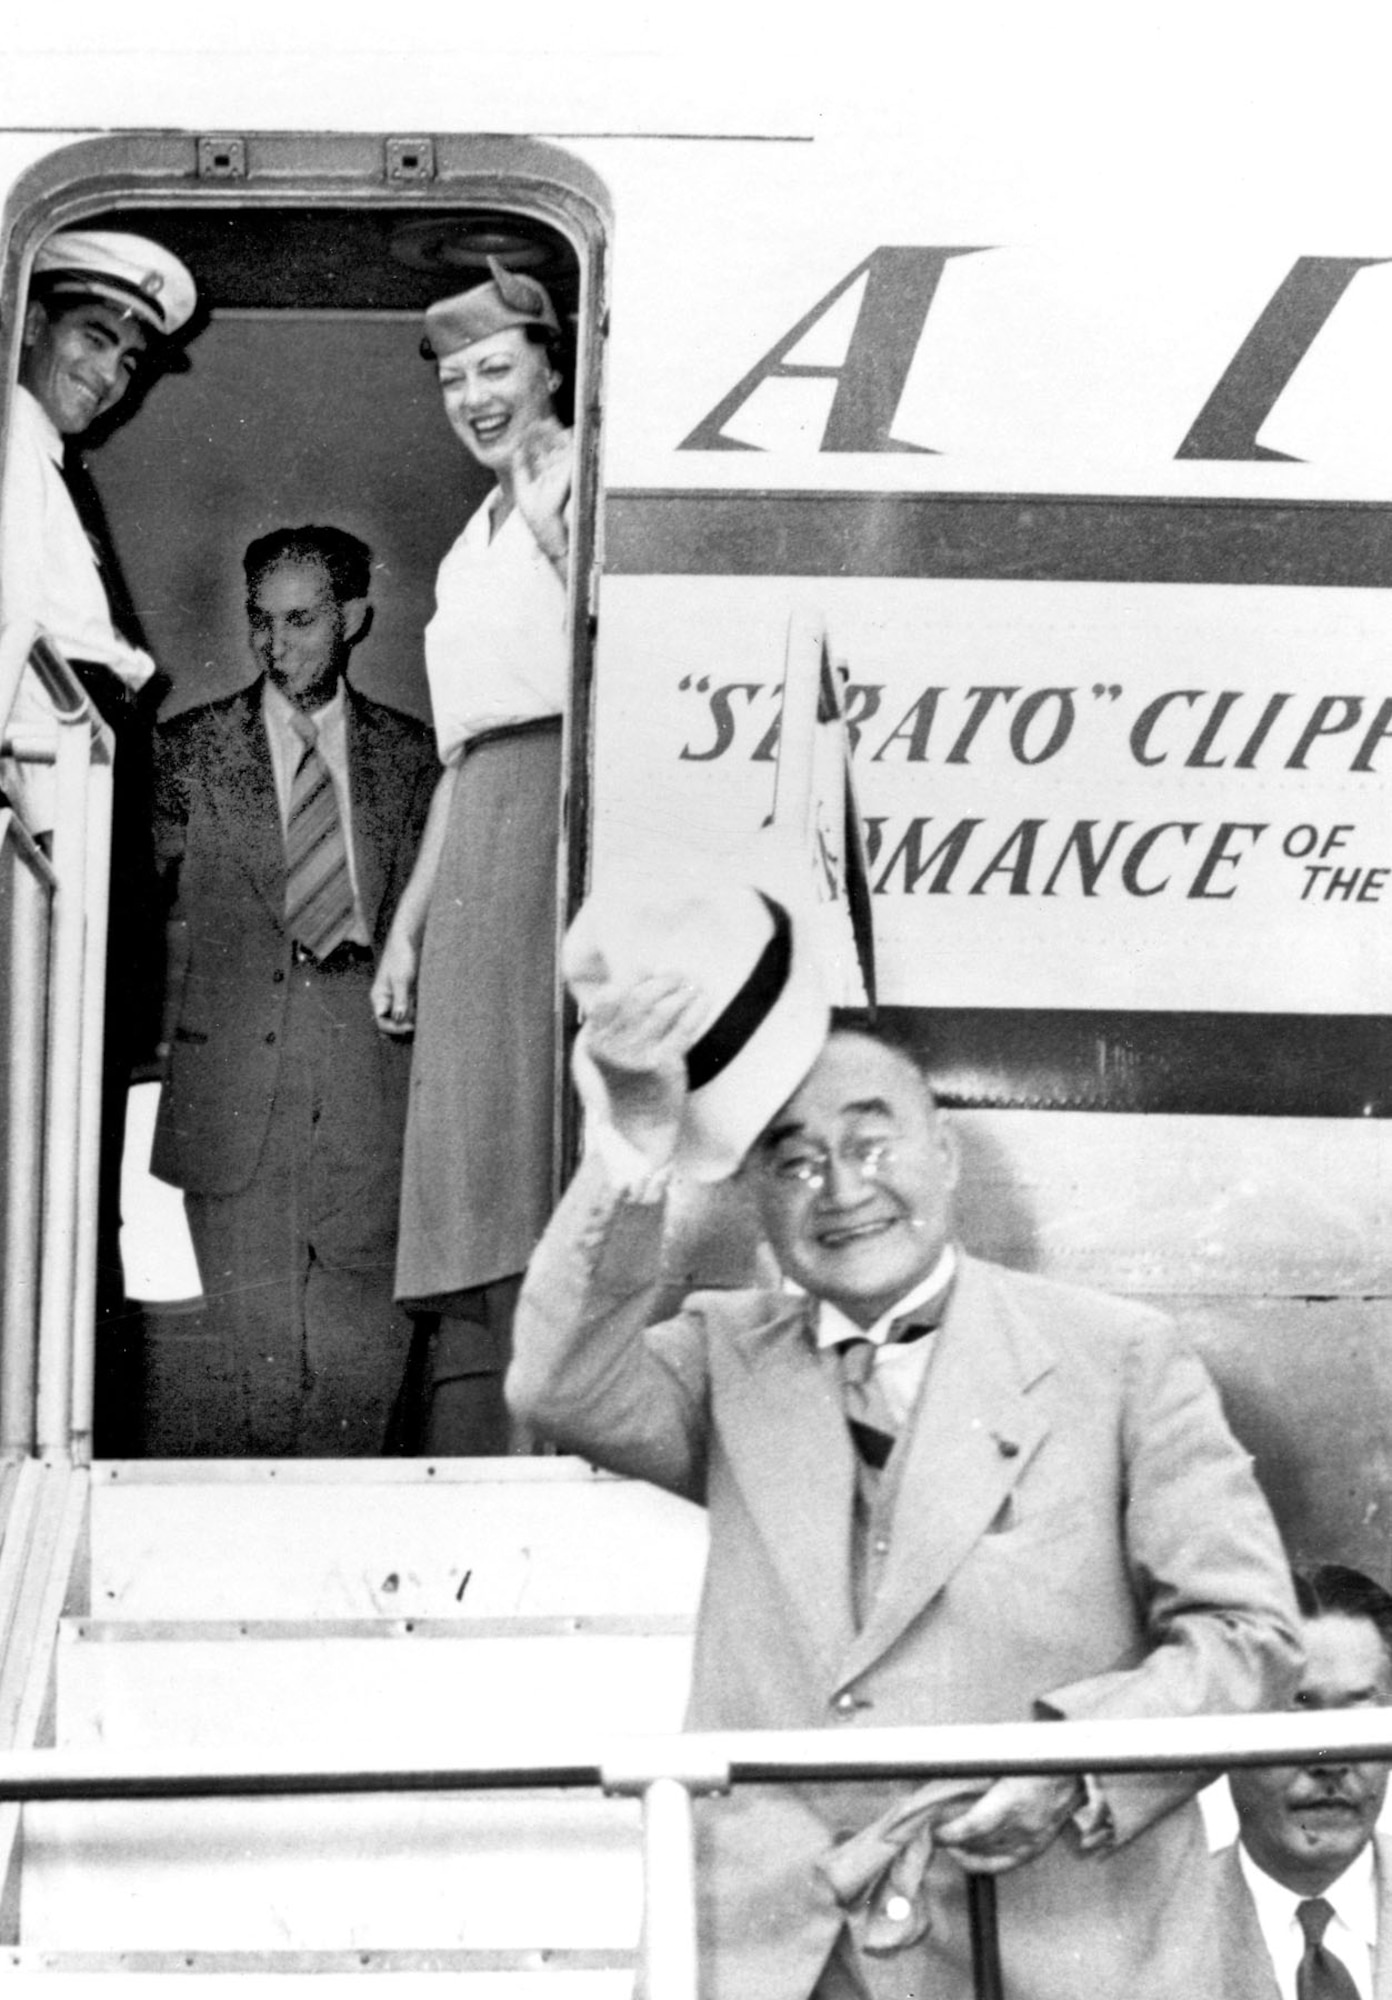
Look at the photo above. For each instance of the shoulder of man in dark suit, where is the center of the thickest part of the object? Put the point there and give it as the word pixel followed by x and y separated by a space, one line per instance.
pixel 185 723
pixel 393 729
pixel 184 745
pixel 406 767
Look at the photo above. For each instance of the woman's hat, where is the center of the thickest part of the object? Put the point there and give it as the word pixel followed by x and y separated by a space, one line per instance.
pixel 129 272
pixel 747 950
pixel 510 298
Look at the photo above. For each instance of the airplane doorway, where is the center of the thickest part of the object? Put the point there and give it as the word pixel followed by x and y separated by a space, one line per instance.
pixel 305 398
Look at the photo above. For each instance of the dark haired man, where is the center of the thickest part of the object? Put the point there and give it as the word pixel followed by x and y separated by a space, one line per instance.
pixel 103 308
pixel 101 305
pixel 1305 1895
pixel 938 1491
pixel 287 820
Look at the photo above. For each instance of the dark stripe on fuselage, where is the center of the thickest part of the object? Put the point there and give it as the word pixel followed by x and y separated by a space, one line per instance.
pixel 1076 1059
pixel 1038 537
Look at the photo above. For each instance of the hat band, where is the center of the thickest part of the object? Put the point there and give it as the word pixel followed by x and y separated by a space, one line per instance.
pixel 738 1022
pixel 72 278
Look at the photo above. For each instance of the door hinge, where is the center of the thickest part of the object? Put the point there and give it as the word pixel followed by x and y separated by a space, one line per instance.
pixel 410 160
pixel 222 159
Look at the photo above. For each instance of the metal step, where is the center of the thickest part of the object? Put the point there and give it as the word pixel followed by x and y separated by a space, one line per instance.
pixel 502 1872
pixel 273 1685
pixel 406 1538
pixel 479 1975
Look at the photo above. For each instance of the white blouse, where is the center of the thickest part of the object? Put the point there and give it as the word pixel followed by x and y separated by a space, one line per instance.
pixel 496 650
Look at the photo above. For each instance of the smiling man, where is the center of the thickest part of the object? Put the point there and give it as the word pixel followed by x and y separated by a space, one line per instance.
pixel 102 305
pixel 938 1490
pixel 1306 1893
pixel 288 816
pixel 103 310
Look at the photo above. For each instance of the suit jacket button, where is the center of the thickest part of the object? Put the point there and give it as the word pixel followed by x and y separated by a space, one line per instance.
pixel 270 1038
pixel 845 1704
pixel 277 977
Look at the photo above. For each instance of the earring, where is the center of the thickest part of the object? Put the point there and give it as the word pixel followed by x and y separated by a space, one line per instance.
pixel 553 383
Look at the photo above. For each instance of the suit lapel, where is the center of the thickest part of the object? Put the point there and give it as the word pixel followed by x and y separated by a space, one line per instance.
pixel 972 1433
pixel 241 788
pixel 369 826
pixel 1244 1961
pixel 1382 1954
pixel 783 1427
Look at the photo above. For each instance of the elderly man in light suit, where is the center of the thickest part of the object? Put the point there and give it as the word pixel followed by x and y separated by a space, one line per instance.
pixel 1305 1895
pixel 1034 1509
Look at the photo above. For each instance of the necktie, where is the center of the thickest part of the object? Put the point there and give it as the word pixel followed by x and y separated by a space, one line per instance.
pixel 318 888
pixel 873 1429
pixel 91 515
pixel 871 1426
pixel 1321 1974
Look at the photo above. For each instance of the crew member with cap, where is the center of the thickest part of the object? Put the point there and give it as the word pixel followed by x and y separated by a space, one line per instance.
pixel 1305 1894
pixel 938 1490
pixel 102 305
pixel 470 961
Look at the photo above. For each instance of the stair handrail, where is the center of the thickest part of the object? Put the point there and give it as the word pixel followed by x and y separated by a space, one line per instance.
pixel 666 1772
pixel 54 1418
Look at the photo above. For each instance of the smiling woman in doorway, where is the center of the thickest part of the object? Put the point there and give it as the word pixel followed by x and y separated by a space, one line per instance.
pixel 469 963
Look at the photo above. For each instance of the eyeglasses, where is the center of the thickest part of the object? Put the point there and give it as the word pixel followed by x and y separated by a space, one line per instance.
pixel 867 1158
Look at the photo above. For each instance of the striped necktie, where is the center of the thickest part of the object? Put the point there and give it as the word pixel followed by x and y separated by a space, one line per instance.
pixel 1321 1973
pixel 318 887
pixel 873 1430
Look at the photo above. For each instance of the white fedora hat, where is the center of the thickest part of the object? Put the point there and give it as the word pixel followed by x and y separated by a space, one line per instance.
pixel 748 949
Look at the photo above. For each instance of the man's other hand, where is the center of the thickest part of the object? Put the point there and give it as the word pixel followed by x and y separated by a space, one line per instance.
pixel 394 987
pixel 1012 1822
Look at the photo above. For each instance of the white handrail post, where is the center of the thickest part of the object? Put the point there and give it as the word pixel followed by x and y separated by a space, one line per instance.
pixel 95 896
pixel 669 1892
pixel 27 1010
pixel 59 1258
pixel 665 1775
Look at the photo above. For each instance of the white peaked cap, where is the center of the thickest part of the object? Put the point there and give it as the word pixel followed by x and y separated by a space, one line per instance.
pixel 131 272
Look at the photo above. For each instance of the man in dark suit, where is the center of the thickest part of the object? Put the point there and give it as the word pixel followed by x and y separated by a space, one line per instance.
pixel 938 1490
pixel 1305 1894
pixel 287 820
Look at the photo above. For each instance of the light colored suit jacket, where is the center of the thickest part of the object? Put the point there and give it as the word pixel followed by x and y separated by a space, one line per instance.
pixel 1076 1534
pixel 1243 1954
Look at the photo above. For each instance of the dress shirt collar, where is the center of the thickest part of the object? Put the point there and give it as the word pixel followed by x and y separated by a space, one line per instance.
pixel 283 711
pixel 1352 1896
pixel 29 410
pixel 834 1329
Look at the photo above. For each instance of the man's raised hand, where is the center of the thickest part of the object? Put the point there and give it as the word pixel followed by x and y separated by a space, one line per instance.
pixel 637 1038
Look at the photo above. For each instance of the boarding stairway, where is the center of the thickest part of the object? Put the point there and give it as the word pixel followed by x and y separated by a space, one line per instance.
pixel 366 1613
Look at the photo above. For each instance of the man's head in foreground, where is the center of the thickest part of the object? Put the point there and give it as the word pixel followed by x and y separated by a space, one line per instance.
pixel 855 1176
pixel 1305 1823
